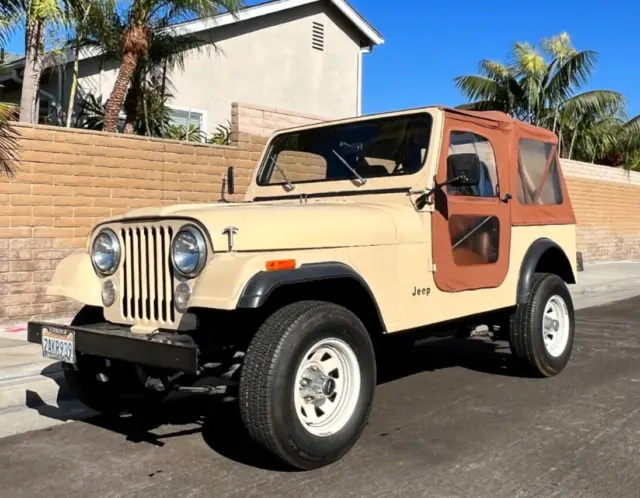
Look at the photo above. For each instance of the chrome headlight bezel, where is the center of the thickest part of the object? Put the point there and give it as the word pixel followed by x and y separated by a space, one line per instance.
pixel 117 252
pixel 201 244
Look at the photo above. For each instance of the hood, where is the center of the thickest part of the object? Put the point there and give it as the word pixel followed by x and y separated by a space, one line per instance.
pixel 294 225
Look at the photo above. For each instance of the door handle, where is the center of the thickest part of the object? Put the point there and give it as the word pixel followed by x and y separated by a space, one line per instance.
pixel 507 197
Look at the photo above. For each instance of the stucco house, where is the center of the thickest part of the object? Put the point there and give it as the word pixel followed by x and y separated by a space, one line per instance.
pixel 302 55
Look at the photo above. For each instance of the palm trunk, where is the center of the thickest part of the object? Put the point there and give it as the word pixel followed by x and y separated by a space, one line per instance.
pixel 116 99
pixel 74 84
pixel 131 108
pixel 146 112
pixel 32 71
pixel 573 141
pixel 162 93
pixel 560 143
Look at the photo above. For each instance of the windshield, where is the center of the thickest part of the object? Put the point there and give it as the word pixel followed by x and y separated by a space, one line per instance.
pixel 354 151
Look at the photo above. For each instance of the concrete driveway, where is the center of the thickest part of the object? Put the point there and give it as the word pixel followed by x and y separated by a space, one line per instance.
pixel 453 420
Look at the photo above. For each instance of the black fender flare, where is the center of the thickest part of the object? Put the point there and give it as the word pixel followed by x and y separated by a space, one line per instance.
pixel 262 284
pixel 530 262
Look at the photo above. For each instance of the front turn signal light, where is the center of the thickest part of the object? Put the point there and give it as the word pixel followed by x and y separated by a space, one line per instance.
pixel 281 264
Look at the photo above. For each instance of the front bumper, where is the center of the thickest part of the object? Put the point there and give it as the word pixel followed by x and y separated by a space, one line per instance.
pixel 161 349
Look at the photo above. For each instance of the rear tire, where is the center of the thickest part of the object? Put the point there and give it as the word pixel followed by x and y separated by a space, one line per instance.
pixel 542 330
pixel 307 383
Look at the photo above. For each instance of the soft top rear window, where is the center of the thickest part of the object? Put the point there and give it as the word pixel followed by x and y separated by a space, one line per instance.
pixel 370 148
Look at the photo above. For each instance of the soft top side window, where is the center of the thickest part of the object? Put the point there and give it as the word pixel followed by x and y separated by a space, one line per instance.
pixel 464 142
pixel 538 178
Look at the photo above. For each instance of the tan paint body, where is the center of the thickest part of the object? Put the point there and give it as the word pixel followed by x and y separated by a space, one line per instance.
pixel 384 237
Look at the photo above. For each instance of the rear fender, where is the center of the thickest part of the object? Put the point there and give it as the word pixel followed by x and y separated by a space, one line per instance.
pixel 546 256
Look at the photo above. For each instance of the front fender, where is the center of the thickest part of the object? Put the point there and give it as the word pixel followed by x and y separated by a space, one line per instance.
pixel 75 278
pixel 225 277
pixel 220 283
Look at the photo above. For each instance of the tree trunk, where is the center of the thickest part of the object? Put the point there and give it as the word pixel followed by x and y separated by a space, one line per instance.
pixel 573 141
pixel 146 111
pixel 162 94
pixel 74 84
pixel 32 71
pixel 131 108
pixel 116 99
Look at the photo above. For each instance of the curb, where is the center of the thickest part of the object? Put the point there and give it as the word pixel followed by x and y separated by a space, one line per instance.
pixel 627 284
pixel 33 377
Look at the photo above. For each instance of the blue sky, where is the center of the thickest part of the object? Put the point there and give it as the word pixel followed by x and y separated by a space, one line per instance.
pixel 428 43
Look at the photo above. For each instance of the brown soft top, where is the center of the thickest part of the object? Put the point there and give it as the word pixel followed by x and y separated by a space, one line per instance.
pixel 506 121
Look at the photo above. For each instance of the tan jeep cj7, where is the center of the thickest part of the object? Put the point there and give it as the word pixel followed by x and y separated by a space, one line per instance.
pixel 430 221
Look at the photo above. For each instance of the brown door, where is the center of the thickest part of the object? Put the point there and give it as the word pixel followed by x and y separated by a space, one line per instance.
pixel 472 225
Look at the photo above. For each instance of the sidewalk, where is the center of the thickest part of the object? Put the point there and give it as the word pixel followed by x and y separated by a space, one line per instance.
pixel 33 394
pixel 602 283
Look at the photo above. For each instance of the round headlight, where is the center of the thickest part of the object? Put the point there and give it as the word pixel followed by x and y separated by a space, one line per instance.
pixel 105 252
pixel 188 251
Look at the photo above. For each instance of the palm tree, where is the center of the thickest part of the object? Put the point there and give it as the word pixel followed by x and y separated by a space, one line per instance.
pixel 142 18
pixel 166 53
pixel 38 14
pixel 87 19
pixel 9 13
pixel 534 89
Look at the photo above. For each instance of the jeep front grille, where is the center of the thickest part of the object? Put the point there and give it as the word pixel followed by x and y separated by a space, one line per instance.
pixel 147 274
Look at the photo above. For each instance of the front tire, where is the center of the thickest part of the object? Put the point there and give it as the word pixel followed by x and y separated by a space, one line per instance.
pixel 123 392
pixel 307 383
pixel 542 330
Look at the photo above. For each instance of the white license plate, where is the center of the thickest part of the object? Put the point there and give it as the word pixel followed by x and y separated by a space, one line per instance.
pixel 59 344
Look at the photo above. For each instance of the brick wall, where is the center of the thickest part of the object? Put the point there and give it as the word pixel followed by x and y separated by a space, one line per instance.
pixel 70 179
pixel 606 202
pixel 261 121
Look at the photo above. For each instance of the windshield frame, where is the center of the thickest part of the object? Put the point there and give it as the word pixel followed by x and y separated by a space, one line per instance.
pixel 266 168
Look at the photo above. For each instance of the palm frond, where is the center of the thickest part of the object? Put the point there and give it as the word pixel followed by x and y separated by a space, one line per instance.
pixel 571 74
pixel 494 70
pixel 8 138
pixel 633 125
pixel 478 87
pixel 594 102
pixel 11 14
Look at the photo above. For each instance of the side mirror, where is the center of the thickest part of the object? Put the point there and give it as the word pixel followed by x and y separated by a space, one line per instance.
pixel 231 182
pixel 464 168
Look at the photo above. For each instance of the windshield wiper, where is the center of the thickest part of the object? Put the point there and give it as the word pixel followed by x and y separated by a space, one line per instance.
pixel 360 179
pixel 290 186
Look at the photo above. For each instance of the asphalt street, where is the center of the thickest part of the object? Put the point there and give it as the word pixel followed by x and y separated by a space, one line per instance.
pixel 454 419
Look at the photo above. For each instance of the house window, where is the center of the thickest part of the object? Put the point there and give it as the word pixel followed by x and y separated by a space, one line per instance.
pixel 317 36
pixel 188 119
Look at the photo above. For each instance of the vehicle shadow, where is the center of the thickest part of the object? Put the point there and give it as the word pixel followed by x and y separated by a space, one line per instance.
pixel 217 417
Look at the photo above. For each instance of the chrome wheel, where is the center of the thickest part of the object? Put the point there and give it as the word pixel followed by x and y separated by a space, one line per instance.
pixel 555 326
pixel 327 385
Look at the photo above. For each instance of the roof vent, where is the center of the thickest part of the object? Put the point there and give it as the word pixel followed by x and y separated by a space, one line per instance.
pixel 317 36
